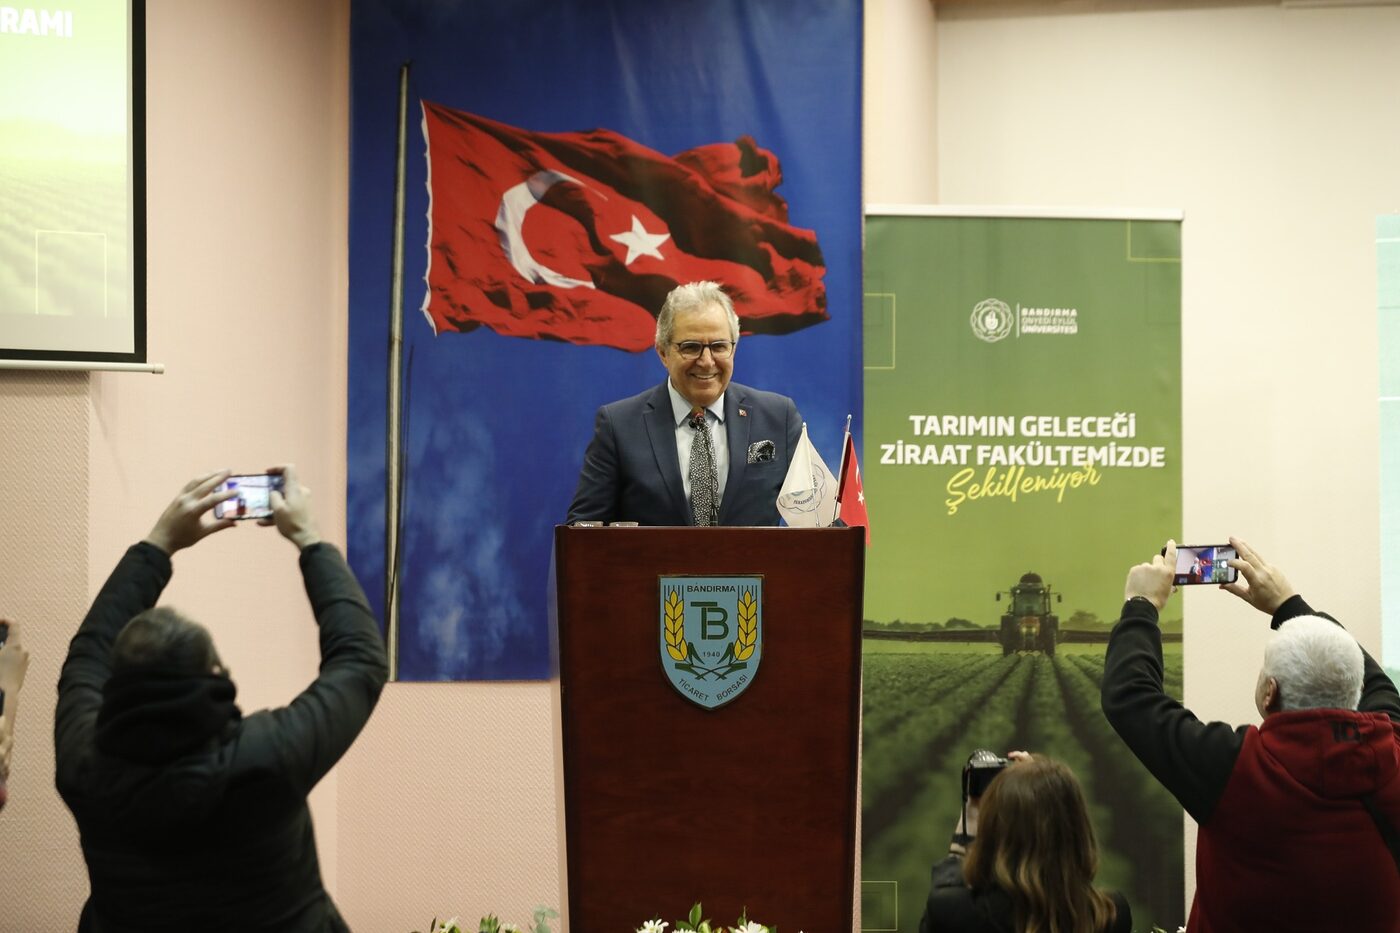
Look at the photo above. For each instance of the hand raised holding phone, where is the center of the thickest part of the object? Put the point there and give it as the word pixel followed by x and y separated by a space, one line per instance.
pixel 182 523
pixel 1264 586
pixel 289 507
pixel 1203 563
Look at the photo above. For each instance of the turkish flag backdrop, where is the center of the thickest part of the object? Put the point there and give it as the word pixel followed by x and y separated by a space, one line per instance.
pixel 579 236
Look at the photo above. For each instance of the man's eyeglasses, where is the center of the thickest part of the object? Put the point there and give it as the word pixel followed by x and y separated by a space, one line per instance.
pixel 691 349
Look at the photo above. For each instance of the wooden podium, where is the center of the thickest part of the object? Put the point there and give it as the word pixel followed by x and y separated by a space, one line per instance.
pixel 748 805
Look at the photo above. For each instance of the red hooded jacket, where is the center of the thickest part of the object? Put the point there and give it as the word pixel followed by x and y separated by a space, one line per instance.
pixel 1285 842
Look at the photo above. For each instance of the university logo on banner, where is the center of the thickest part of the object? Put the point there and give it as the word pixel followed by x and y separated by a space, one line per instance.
pixel 993 319
pixel 579 237
pixel 711 635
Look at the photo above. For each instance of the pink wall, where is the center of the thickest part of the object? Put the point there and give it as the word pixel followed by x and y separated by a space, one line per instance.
pixel 44 588
pixel 247 127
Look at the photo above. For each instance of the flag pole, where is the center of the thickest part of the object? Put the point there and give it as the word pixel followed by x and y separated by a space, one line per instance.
pixel 841 471
pixel 393 438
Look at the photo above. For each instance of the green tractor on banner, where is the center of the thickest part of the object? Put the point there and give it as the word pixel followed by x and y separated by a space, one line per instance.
pixel 1029 624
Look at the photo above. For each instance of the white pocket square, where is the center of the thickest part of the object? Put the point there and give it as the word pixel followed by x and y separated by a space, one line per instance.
pixel 762 451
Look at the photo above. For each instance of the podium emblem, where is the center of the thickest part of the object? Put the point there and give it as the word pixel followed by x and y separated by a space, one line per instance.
pixel 711 635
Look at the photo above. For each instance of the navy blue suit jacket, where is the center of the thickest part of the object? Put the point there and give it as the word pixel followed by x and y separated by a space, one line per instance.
pixel 631 472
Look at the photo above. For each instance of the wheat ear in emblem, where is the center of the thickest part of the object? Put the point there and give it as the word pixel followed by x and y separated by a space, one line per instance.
pixel 748 626
pixel 675 626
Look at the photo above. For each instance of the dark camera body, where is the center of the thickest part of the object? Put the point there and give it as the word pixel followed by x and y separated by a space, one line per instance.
pixel 981 767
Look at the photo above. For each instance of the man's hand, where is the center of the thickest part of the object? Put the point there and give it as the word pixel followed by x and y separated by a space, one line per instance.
pixel 291 509
pixel 1264 586
pixel 182 523
pixel 1153 580
pixel 14 661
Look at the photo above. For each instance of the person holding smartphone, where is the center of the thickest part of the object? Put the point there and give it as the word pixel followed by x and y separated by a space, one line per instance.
pixel 193 816
pixel 1297 815
pixel 1023 857
pixel 14 661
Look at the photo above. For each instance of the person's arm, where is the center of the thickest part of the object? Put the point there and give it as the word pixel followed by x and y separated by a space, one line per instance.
pixel 133 587
pixel 1378 693
pixel 595 499
pixel 317 728
pixel 1191 759
pixel 1266 588
pixel 14 661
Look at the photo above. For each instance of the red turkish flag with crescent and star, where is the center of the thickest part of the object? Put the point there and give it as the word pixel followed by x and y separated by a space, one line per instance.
pixel 579 236
pixel 851 499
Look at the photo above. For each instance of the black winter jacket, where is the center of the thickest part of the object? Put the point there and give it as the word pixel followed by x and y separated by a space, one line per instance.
pixel 219 838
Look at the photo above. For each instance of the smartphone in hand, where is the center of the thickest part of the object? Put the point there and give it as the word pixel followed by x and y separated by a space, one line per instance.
pixel 1203 563
pixel 253 499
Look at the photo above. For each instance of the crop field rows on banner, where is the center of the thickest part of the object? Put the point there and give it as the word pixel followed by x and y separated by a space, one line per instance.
pixel 928 705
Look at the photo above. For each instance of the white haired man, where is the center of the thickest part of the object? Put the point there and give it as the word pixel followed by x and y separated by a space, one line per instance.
pixel 1293 813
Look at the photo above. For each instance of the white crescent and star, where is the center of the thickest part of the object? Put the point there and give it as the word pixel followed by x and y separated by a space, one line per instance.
pixel 510 217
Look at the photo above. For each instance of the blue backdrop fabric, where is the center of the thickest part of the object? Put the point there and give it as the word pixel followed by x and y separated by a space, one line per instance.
pixel 496 426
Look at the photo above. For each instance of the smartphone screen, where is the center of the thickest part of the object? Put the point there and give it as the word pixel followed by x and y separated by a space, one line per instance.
pixel 252 500
pixel 1204 564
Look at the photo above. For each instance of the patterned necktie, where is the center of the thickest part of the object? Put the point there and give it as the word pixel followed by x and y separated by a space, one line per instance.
pixel 704 490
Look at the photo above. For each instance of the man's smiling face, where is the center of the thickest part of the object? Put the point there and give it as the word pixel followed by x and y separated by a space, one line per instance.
pixel 704 379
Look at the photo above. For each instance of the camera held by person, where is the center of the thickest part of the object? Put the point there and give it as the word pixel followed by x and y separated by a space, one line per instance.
pixel 1023 855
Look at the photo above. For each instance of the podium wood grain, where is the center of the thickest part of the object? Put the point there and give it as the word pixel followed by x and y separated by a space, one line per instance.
pixel 751 805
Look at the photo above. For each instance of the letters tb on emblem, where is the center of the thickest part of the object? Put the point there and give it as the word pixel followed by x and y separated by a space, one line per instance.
pixel 711 637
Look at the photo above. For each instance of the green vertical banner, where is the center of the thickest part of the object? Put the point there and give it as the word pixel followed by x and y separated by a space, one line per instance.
pixel 1022 450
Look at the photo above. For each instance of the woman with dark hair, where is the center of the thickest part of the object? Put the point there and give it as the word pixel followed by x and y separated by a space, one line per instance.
pixel 1024 861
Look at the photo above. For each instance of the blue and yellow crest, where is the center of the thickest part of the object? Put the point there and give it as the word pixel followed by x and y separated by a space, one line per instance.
pixel 711 635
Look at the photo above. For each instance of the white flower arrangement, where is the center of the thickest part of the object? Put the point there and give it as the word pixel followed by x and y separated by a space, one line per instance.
pixel 490 923
pixel 698 923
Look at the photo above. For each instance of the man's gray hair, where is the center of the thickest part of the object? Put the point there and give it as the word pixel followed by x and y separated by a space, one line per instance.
pixel 1317 664
pixel 692 297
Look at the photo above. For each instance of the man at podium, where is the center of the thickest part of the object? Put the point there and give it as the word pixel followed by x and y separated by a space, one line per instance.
pixel 696 449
